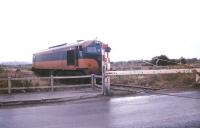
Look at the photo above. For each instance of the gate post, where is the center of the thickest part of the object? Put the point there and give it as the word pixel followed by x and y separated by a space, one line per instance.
pixel 105 78
pixel 103 72
pixel 107 86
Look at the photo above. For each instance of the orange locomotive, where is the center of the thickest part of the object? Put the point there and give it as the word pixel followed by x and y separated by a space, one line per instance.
pixel 82 56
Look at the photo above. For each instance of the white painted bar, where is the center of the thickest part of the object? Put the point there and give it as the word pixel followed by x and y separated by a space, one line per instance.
pixel 146 72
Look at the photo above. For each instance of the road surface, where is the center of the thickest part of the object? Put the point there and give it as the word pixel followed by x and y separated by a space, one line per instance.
pixel 154 111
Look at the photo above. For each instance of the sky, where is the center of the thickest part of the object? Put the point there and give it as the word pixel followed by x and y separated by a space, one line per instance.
pixel 134 29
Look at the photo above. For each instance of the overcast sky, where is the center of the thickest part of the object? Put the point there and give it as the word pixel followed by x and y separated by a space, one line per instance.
pixel 135 29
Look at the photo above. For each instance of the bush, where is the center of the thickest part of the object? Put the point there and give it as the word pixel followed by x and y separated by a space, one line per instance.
pixel 161 60
pixel 196 85
pixel 183 60
pixel 1 70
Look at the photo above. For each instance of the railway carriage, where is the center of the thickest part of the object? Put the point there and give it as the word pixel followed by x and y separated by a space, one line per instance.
pixel 82 56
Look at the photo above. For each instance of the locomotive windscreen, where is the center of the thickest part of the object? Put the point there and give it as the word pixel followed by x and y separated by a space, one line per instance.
pixel 93 49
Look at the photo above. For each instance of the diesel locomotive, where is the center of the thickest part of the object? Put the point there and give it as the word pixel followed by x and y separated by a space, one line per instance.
pixel 83 57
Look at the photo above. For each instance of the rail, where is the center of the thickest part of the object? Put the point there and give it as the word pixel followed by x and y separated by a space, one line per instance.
pixel 51 84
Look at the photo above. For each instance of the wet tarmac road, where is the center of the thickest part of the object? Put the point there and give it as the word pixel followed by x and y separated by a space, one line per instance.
pixel 155 111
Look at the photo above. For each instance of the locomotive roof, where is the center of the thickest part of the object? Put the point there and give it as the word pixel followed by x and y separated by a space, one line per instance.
pixel 63 46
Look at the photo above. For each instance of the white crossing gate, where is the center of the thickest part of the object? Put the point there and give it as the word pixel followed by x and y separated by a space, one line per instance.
pixel 106 73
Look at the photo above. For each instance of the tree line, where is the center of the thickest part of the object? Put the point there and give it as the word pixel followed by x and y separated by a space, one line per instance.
pixel 163 60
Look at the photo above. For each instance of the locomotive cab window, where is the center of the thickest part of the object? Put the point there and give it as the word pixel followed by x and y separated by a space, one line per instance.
pixel 91 50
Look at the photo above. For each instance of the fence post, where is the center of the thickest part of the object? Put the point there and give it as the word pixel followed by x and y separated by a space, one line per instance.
pixel 198 77
pixel 52 87
pixel 93 80
pixel 9 85
pixel 103 79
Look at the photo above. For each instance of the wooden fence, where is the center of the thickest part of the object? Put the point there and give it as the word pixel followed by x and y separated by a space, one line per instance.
pixel 105 79
pixel 51 85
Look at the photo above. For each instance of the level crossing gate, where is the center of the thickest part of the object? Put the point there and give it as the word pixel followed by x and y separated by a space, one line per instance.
pixel 107 73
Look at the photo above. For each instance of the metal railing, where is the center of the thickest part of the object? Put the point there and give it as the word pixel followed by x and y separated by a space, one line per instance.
pixel 51 84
